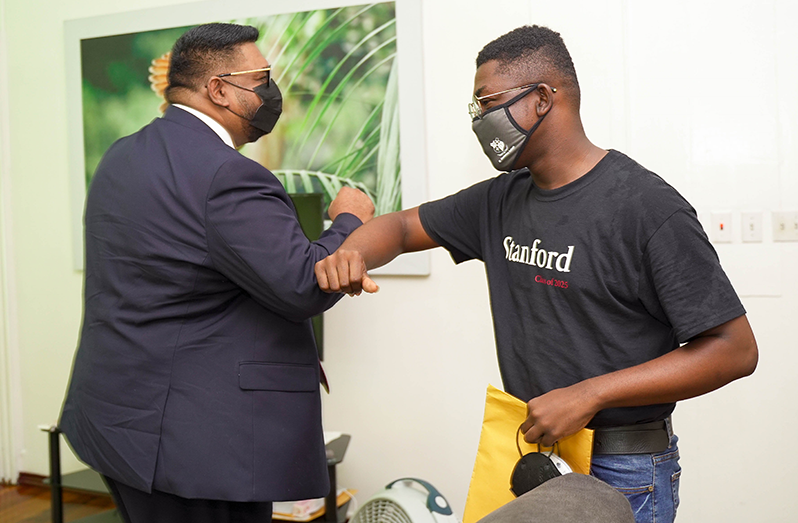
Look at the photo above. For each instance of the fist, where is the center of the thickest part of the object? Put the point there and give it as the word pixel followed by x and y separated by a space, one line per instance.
pixel 344 271
pixel 354 202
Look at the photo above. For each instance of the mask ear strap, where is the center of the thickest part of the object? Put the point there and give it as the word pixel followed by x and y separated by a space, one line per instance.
pixel 509 102
pixel 527 133
pixel 236 85
pixel 235 113
pixel 523 93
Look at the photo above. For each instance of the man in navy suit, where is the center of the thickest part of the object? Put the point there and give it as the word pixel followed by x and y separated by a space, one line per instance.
pixel 195 387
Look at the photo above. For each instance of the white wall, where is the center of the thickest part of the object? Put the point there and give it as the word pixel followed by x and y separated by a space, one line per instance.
pixel 701 92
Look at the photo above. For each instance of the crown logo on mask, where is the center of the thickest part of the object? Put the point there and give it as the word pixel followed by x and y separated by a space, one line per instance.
pixel 499 146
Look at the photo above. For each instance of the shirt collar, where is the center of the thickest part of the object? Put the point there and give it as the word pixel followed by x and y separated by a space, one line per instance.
pixel 210 122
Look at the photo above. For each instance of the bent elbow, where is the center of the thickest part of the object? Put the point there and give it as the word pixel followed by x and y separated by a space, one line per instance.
pixel 743 347
pixel 750 360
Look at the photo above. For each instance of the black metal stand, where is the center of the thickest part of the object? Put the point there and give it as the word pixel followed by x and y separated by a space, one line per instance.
pixel 331 501
pixel 335 455
pixel 84 480
pixel 56 501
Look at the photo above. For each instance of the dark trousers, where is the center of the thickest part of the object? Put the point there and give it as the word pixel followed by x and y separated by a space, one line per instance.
pixel 136 506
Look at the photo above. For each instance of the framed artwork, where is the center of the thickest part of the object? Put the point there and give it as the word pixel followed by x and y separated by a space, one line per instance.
pixel 350 74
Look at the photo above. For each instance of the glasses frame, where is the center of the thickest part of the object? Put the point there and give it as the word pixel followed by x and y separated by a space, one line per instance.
pixel 267 70
pixel 475 105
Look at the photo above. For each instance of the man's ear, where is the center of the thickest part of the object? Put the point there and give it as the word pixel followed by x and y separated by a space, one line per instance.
pixel 218 91
pixel 545 99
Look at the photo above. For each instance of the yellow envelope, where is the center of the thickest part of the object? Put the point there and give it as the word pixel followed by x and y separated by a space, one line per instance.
pixel 497 454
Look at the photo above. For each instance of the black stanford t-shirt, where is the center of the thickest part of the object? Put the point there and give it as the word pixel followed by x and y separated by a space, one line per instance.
pixel 607 272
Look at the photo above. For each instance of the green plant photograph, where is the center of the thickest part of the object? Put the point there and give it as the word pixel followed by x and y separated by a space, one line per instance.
pixel 336 69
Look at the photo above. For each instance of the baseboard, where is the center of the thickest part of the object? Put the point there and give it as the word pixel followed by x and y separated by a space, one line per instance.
pixel 32 480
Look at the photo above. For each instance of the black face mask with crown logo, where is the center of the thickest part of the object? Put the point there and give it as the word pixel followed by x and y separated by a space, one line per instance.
pixel 501 137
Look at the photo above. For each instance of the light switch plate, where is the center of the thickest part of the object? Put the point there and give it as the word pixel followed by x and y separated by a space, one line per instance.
pixel 721 227
pixel 785 226
pixel 751 226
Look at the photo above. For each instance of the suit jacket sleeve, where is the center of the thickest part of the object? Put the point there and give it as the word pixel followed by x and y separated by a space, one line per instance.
pixel 255 240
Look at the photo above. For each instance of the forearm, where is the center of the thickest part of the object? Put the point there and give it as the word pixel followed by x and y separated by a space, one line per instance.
pixel 378 241
pixel 385 237
pixel 372 245
pixel 704 364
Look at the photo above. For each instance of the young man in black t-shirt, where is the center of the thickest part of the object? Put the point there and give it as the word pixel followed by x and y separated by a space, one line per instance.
pixel 609 304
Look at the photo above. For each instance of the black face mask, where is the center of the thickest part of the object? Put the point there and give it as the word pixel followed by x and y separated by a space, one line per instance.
pixel 270 109
pixel 502 139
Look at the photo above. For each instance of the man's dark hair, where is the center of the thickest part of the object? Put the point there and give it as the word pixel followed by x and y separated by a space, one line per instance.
pixel 535 54
pixel 204 51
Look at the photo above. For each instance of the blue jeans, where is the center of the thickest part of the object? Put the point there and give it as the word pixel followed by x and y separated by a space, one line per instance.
pixel 649 481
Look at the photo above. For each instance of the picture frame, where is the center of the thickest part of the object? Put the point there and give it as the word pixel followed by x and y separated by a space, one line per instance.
pixel 409 85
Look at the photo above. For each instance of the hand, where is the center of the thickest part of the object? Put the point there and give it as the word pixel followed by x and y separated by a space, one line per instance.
pixel 558 414
pixel 354 202
pixel 344 271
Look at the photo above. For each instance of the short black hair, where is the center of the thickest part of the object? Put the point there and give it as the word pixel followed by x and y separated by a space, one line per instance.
pixel 534 50
pixel 204 51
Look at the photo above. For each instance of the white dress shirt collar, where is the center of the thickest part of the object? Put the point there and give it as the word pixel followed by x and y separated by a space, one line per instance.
pixel 210 122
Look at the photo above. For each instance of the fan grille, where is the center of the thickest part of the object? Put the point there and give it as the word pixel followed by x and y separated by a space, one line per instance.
pixel 381 511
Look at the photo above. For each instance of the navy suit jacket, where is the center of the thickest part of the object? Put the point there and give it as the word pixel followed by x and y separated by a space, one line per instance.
pixel 196 371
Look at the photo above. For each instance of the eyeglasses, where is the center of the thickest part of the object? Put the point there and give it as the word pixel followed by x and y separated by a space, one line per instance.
pixel 475 106
pixel 267 70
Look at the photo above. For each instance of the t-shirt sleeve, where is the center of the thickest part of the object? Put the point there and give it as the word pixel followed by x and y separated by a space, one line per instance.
pixel 455 222
pixel 682 281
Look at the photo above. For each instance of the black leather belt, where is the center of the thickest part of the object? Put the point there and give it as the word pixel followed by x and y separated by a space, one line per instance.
pixel 645 438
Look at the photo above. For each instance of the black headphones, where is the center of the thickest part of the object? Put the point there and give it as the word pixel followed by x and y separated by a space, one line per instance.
pixel 535 468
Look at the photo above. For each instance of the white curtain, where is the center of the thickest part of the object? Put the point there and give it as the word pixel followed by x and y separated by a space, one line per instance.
pixel 10 400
